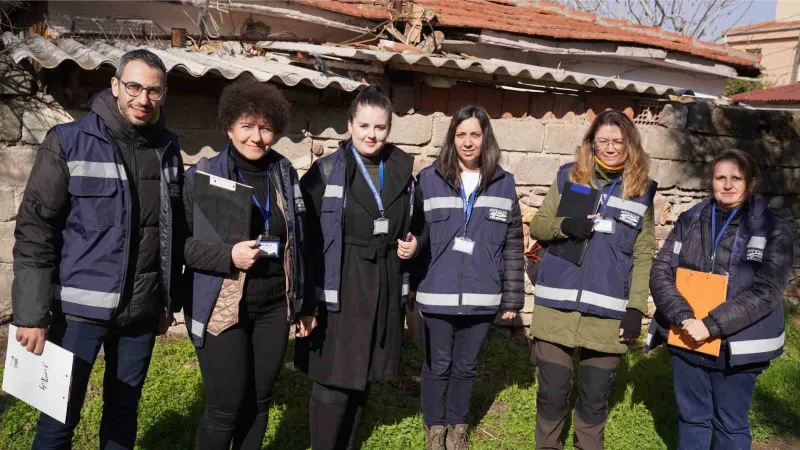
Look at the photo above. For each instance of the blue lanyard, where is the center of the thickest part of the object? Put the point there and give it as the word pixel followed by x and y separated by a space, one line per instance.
pixel 469 203
pixel 363 169
pixel 605 197
pixel 265 209
pixel 718 237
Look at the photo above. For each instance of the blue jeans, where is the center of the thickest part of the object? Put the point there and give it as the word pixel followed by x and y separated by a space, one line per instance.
pixel 127 356
pixel 452 345
pixel 712 401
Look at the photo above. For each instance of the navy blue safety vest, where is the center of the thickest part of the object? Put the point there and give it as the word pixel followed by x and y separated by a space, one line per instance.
pixel 456 283
pixel 94 255
pixel 206 286
pixel 600 286
pixel 763 340
pixel 331 217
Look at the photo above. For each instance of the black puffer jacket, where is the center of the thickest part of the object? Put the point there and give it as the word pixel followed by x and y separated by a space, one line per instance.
pixel 732 316
pixel 46 205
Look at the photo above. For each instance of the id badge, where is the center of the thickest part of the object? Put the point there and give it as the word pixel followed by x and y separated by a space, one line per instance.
pixel 605 225
pixel 268 246
pixel 381 226
pixel 464 245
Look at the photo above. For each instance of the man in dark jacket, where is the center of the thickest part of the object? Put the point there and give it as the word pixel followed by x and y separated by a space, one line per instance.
pixel 94 259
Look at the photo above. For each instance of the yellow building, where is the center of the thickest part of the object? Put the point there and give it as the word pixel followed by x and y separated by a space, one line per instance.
pixel 775 41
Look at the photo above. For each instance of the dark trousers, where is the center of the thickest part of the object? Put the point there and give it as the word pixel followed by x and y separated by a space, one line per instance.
pixel 452 344
pixel 335 415
pixel 712 402
pixel 239 368
pixel 127 356
pixel 554 376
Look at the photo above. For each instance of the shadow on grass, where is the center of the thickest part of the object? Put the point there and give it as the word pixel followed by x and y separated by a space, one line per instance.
pixel 650 377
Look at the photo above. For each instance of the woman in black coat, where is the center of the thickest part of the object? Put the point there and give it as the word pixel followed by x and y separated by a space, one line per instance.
pixel 735 235
pixel 244 269
pixel 357 255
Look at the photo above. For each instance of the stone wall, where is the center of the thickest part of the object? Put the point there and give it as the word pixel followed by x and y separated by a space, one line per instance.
pixel 680 144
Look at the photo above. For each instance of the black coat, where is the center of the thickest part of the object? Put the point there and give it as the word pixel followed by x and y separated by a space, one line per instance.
pixel 363 341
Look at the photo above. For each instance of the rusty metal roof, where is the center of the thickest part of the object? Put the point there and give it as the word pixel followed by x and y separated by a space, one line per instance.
pixel 477 65
pixel 228 61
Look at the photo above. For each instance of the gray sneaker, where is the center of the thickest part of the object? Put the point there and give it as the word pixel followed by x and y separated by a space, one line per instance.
pixel 434 437
pixel 457 438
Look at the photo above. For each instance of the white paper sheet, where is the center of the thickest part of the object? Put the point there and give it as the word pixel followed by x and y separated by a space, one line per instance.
pixel 41 381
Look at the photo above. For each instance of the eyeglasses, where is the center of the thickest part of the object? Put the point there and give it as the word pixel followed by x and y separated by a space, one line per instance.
pixel 604 143
pixel 135 89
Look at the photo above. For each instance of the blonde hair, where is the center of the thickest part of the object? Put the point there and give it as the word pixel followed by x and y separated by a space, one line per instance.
pixel 636 175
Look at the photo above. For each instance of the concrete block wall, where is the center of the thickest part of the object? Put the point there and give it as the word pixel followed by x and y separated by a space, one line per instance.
pixel 680 145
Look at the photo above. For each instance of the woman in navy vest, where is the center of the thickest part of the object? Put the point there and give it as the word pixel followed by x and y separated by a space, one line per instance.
pixel 732 233
pixel 245 270
pixel 474 269
pixel 595 307
pixel 363 225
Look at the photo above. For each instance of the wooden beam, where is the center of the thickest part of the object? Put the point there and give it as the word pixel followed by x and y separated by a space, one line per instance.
pixel 283 11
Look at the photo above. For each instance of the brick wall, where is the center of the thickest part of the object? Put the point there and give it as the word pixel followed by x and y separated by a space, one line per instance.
pixel 680 145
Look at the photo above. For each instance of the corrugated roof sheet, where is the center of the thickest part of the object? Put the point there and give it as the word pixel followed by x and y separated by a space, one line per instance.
pixel 484 66
pixel 543 19
pixel 228 62
pixel 781 94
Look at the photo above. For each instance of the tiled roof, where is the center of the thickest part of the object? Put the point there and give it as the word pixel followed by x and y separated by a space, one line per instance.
pixel 543 19
pixel 763 27
pixel 781 94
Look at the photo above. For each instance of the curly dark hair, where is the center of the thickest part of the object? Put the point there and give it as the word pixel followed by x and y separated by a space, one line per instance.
pixel 249 97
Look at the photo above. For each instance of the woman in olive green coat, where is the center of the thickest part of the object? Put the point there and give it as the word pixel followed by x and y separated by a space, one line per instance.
pixel 567 317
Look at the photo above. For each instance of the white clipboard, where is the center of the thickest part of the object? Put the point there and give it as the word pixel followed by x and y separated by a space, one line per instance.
pixel 42 381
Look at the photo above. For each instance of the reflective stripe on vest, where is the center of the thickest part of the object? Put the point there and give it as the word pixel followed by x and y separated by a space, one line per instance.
pixel 467 298
pixel 333 191
pixel 676 247
pixel 85 297
pixel 429 204
pixel 493 202
pixel 758 242
pixel 627 205
pixel 558 294
pixel 604 301
pixel 195 327
pixel 97 169
pixel 757 345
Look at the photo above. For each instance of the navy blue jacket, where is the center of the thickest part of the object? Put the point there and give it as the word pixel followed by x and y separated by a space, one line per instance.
pixel 601 285
pixel 490 279
pixel 205 285
pixel 92 279
pixel 757 257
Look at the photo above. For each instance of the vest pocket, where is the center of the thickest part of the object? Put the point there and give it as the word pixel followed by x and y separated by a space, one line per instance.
pixel 439 232
pixel 495 226
pixel 94 201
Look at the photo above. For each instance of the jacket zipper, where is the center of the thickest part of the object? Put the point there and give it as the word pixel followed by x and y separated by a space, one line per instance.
pixel 126 262
pixel 478 192
pixel 134 177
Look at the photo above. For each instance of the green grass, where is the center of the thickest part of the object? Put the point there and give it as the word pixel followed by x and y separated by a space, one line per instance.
pixel 503 407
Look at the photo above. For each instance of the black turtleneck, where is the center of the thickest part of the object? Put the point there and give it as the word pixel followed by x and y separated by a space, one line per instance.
pixel 265 285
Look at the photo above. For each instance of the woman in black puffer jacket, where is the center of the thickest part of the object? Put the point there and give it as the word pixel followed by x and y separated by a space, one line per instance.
pixel 733 234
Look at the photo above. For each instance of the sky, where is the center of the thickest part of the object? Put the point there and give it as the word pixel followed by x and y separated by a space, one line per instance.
pixel 760 11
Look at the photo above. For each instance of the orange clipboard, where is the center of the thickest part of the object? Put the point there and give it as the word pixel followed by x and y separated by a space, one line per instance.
pixel 704 292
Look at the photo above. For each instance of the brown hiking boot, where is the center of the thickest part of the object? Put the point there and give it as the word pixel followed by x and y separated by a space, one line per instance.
pixel 434 437
pixel 457 438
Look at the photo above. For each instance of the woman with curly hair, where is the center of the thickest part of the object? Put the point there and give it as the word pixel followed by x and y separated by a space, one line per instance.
pixel 243 294
pixel 594 308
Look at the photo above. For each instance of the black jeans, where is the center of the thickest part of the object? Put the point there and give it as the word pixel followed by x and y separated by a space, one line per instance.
pixel 239 368
pixel 452 345
pixel 127 355
pixel 335 415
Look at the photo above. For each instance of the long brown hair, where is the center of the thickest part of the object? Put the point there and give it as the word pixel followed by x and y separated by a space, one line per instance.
pixel 636 176
pixel 490 151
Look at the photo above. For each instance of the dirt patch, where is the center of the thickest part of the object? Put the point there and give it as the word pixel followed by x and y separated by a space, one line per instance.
pixel 498 408
pixel 791 444
pixel 3 343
